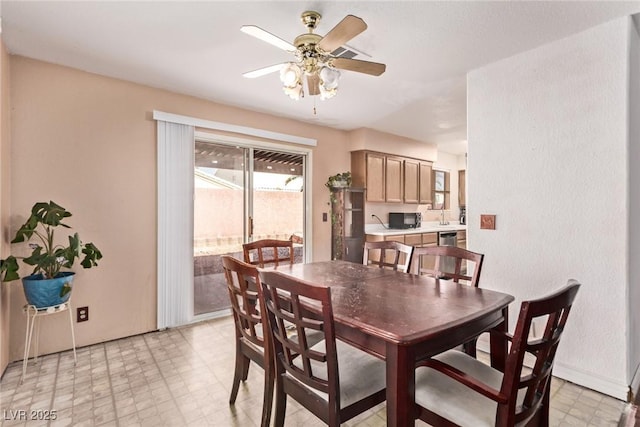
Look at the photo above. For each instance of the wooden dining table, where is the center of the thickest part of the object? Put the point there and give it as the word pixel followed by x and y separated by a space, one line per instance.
pixel 403 318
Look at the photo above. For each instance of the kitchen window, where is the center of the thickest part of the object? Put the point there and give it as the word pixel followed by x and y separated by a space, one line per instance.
pixel 441 193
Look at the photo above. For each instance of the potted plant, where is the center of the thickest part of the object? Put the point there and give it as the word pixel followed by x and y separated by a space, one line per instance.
pixel 339 180
pixel 48 285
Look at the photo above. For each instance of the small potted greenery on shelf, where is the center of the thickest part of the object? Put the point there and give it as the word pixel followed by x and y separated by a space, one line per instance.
pixel 48 285
pixel 340 180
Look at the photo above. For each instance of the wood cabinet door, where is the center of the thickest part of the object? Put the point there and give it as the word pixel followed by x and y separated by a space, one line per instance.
pixel 375 177
pixel 393 181
pixel 425 185
pixel 462 188
pixel 411 181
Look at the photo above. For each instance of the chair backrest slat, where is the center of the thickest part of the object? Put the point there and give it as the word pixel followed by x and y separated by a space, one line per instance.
pixel 440 253
pixel 268 251
pixel 249 316
pixel 400 255
pixel 287 302
pixel 556 308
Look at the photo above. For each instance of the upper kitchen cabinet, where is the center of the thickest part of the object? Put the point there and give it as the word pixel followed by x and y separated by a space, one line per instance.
pixel 425 183
pixel 462 188
pixel 417 181
pixel 392 179
pixel 368 170
pixel 411 181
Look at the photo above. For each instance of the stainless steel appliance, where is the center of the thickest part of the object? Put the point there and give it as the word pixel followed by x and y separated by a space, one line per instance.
pixel 403 220
pixel 448 238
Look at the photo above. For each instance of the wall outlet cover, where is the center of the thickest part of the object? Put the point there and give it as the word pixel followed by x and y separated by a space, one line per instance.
pixel 82 314
pixel 487 222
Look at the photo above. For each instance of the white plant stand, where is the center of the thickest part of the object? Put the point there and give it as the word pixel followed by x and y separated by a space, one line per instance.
pixel 34 317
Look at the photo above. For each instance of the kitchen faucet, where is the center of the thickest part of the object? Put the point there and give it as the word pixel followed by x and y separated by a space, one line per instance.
pixel 442 221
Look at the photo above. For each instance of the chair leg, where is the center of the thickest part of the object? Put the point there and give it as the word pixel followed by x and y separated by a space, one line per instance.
pixel 245 367
pixel 281 405
pixel 546 400
pixel 470 348
pixel 240 373
pixel 267 402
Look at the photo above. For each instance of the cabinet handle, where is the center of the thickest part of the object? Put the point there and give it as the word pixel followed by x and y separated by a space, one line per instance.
pixel 250 226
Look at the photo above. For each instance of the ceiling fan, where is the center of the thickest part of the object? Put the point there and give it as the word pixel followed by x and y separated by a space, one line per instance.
pixel 314 58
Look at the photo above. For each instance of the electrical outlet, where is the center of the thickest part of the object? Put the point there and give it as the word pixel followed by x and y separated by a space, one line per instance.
pixel 82 314
pixel 324 217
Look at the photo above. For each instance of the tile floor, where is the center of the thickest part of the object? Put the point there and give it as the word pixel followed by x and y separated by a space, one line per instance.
pixel 182 377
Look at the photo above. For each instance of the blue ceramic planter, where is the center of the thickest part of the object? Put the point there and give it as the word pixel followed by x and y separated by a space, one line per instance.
pixel 46 292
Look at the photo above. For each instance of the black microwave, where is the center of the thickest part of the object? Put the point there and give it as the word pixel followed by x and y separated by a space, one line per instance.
pixel 403 220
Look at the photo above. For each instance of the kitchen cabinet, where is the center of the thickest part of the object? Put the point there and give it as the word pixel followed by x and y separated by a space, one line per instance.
pixel 347 223
pixel 391 179
pixel 425 184
pixel 462 188
pixel 411 181
pixel 375 177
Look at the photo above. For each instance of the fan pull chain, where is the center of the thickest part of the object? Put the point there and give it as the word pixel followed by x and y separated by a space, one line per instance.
pixel 314 106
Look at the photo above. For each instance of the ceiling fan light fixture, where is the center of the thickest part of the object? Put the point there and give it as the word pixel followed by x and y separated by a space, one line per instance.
pixel 290 75
pixel 294 92
pixel 327 93
pixel 315 61
pixel 329 77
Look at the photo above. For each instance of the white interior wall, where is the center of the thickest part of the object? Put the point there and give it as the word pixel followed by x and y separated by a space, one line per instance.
pixel 547 134
pixel 634 204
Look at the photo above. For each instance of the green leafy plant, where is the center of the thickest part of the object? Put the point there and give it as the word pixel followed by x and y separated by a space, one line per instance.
pixel 47 257
pixel 339 180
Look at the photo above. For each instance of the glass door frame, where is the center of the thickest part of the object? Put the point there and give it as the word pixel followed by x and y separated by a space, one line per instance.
pixel 247 143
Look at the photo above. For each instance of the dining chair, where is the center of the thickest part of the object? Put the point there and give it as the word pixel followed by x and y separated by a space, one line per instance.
pixel 251 330
pixel 268 251
pixel 454 388
pixel 332 379
pixel 448 264
pixel 448 256
pixel 398 253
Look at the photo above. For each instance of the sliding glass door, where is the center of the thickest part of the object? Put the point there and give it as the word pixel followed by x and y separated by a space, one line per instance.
pixel 241 194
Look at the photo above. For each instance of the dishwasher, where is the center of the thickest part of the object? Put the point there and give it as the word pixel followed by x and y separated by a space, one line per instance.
pixel 448 238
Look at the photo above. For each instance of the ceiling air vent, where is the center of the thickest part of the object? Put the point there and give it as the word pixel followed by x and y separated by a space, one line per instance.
pixel 344 52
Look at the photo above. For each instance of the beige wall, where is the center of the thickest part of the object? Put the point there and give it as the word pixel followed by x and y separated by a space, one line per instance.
pixel 369 139
pixel 5 195
pixel 89 143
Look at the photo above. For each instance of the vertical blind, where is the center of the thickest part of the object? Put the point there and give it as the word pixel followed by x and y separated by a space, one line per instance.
pixel 175 223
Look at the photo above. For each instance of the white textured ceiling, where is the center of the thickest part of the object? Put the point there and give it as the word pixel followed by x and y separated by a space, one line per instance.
pixel 196 48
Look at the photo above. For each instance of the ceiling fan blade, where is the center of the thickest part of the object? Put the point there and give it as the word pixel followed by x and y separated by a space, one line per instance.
pixel 266 36
pixel 348 28
pixel 372 68
pixel 313 84
pixel 263 71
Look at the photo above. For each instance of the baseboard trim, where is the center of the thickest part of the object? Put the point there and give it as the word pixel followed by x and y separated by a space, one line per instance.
pixel 635 385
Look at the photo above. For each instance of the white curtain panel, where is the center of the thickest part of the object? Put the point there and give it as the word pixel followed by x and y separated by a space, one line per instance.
pixel 175 223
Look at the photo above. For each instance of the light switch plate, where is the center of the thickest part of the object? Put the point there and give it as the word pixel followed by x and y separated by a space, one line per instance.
pixel 487 222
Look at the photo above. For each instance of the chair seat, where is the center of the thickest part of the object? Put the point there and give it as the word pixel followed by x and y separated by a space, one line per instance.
pixel 361 374
pixel 453 400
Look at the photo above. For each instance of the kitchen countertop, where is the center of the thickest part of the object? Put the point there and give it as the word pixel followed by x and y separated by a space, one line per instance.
pixel 427 227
